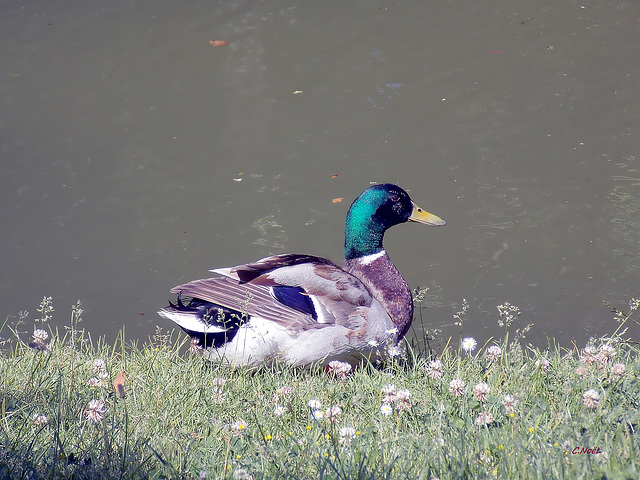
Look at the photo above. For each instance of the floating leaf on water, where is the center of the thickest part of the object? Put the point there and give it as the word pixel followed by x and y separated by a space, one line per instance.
pixel 218 43
pixel 336 200
pixel 271 232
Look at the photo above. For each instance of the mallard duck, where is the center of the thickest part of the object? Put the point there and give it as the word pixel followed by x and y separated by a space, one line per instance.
pixel 304 310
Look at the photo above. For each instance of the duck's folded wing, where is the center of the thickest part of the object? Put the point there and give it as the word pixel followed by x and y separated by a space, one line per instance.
pixel 298 292
pixel 252 300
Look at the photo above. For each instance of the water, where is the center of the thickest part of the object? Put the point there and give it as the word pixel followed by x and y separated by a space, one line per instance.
pixel 136 155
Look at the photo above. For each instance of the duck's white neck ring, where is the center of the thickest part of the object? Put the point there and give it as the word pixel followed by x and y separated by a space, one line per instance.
pixel 367 259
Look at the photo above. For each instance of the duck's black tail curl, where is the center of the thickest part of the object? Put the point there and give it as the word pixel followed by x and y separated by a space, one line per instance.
pixel 212 325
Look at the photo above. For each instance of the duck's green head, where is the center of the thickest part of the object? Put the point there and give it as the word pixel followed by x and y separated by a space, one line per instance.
pixel 377 208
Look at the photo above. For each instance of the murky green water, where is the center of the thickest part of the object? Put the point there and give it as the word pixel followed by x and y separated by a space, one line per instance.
pixel 136 155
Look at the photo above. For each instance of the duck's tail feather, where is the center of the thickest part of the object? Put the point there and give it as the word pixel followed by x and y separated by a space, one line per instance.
pixel 211 324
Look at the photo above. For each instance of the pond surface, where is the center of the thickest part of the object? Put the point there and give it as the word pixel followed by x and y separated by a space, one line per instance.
pixel 136 154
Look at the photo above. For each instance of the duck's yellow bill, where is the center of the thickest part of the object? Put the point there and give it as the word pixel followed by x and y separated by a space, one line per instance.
pixel 422 216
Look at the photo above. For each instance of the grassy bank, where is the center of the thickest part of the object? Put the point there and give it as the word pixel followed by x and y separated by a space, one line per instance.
pixel 502 410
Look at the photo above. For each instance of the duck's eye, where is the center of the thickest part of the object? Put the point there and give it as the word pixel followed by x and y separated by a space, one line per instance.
pixel 394 197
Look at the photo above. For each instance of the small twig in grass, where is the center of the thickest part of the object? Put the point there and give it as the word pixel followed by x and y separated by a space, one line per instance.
pixel 226 454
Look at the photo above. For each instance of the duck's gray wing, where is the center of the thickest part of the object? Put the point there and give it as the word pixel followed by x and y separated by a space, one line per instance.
pixel 256 289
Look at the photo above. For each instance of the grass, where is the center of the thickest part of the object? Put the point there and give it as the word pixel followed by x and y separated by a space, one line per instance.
pixel 524 413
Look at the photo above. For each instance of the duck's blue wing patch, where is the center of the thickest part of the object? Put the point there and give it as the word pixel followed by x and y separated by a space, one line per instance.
pixel 294 297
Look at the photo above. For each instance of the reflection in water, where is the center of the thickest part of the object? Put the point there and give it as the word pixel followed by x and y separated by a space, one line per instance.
pixel 625 206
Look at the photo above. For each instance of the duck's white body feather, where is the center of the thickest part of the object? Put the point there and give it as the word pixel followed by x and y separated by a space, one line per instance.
pixel 260 341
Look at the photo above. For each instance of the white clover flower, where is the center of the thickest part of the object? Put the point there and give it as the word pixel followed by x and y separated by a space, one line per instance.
pixel 284 390
pixel 386 409
pixel 242 474
pixel 347 435
pixel 469 344
pixel 99 366
pixel 581 371
pixel 435 369
pixel 605 354
pixel 339 369
pixel 509 403
pixel 401 397
pixel 389 392
pixel 456 387
pixel 493 353
pixel 218 381
pixel 403 394
pixel 333 414
pixel 217 395
pixel 317 414
pixel 481 390
pixel 389 389
pixel 40 335
pixel 96 382
pixel 315 404
pixel 618 369
pixel 589 355
pixel 279 410
pixel 391 398
pixel 591 398
pixel 485 418
pixel 95 412
pixel 543 364
pixel 194 345
pixel 40 419
pixel 347 431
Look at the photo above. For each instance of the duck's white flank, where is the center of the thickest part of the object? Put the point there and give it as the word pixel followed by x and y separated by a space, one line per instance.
pixel 261 341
